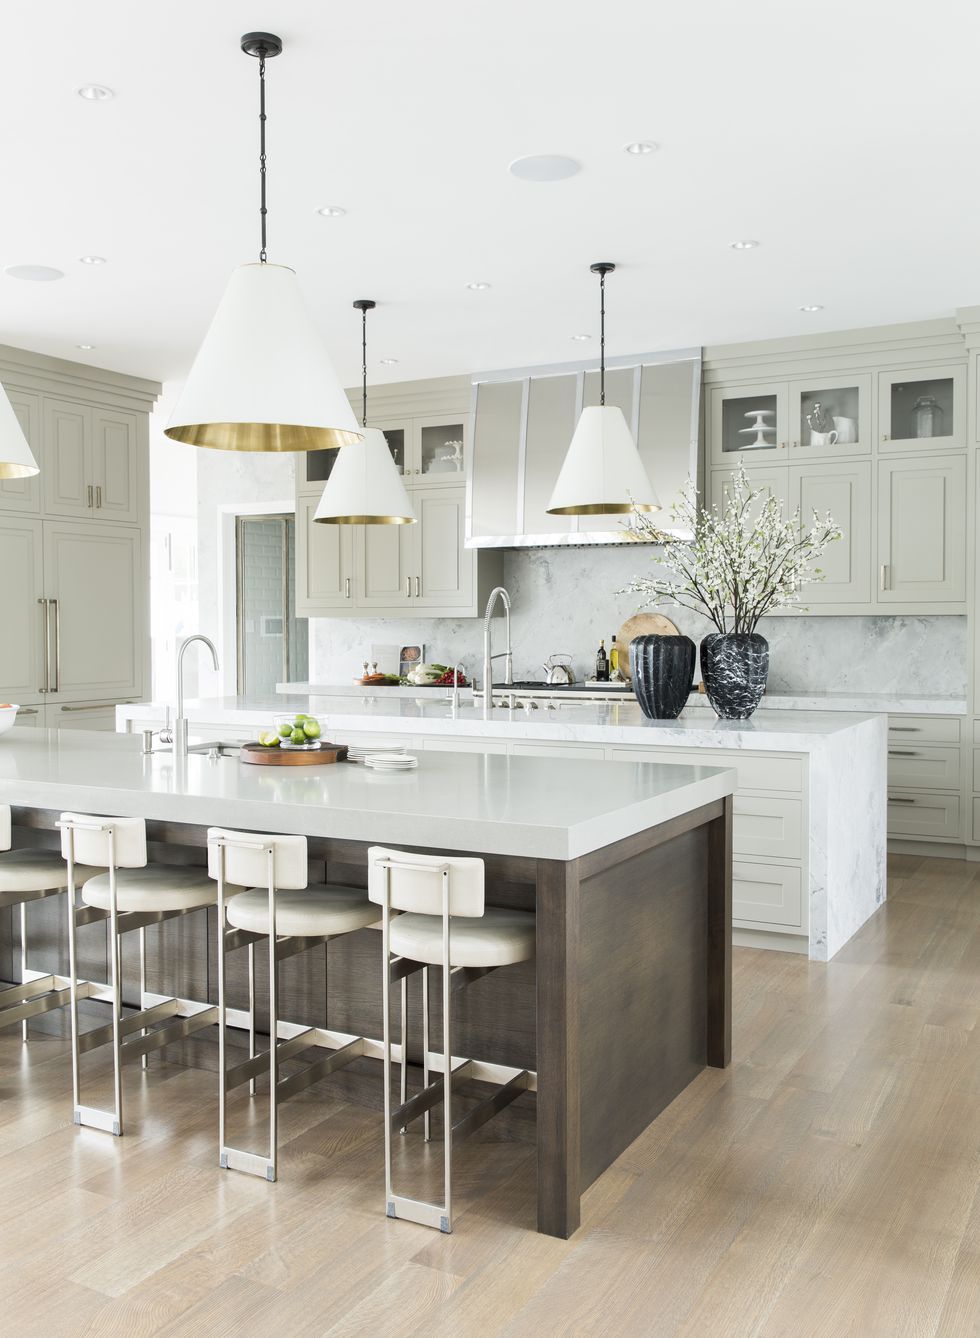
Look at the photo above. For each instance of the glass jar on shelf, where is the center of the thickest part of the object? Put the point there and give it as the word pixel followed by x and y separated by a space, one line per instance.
pixel 927 417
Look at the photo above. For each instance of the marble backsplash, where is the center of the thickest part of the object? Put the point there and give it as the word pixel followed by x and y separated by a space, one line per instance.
pixel 565 600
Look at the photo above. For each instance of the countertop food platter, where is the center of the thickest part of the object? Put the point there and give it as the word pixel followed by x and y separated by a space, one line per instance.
pixel 641 624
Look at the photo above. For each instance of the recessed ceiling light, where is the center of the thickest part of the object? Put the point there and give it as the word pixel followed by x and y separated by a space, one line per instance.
pixel 86 347
pixel 388 362
pixel 640 147
pixel 581 337
pixel 92 260
pixel 816 307
pixel 331 211
pixel 744 246
pixel 544 167
pixel 478 287
pixel 34 273
pixel 95 92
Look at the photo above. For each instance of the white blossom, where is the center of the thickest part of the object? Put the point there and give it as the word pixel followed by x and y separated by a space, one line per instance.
pixel 741 564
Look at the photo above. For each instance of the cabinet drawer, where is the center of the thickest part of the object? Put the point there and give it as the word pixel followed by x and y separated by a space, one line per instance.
pixel 768 894
pixel 923 767
pixel 453 745
pixel 595 752
pixel 913 729
pixel 768 827
pixel 755 772
pixel 930 817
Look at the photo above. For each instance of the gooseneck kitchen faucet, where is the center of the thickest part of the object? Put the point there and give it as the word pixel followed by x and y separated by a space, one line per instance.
pixel 500 593
pixel 180 724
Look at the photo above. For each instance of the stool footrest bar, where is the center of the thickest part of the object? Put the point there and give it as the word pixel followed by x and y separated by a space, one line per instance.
pixel 252 1068
pixel 318 1069
pixel 477 1117
pixel 430 1096
pixel 34 1007
pixel 177 1030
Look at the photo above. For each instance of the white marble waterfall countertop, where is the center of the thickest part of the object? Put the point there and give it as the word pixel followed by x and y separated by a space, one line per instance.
pixel 574 722
pixel 545 808
pixel 887 703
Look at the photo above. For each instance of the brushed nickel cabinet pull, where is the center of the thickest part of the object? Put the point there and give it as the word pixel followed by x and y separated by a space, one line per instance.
pixel 418 586
pixel 899 799
pixel 408 587
pixel 46 685
pixel 57 645
pixel 347 587
pixel 902 752
pixel 27 710
pixel 885 436
pixel 90 502
pixel 883 576
pixel 98 497
pixel 905 729
pixel 95 706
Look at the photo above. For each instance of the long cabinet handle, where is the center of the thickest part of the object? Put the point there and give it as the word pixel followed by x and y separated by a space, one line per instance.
pixel 905 729
pixel 883 576
pixel 98 497
pixel 53 603
pixel 408 587
pixel 27 710
pixel 347 587
pixel 418 586
pixel 96 706
pixel 46 631
pixel 90 490
pixel 902 752
pixel 899 799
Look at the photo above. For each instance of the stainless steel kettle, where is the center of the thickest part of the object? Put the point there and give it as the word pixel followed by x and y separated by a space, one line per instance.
pixel 558 670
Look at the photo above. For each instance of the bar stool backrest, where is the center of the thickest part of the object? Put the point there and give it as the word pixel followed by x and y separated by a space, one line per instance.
pixel 92 840
pixel 247 858
pixel 416 882
pixel 5 836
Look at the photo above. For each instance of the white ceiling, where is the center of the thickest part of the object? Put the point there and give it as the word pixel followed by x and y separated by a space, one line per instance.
pixel 843 136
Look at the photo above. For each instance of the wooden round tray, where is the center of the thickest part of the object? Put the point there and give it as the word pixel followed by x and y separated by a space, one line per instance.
pixel 259 755
pixel 641 624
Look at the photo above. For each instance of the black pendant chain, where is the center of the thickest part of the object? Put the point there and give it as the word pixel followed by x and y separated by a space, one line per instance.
pixel 263 211
pixel 602 268
pixel 364 305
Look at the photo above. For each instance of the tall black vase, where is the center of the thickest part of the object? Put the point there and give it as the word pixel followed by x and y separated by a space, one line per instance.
pixel 735 667
pixel 662 670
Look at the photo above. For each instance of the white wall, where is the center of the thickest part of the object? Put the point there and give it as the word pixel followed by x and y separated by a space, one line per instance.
pixel 565 600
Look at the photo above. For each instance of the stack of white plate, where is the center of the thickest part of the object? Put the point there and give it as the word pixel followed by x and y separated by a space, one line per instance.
pixel 382 757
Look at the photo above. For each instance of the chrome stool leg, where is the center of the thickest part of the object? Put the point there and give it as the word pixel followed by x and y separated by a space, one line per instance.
pixel 145 1031
pixel 23 959
pixel 251 1010
pixel 426 1118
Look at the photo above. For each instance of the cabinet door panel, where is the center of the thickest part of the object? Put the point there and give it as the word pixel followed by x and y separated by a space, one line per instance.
pixel 748 423
pixel 444 566
pixel 384 565
pixel 324 562
pixel 768 894
pixel 774 479
pixel 67 458
pixel 24 495
pixel 922 530
pixel 95 574
pixel 21 617
pixel 844 491
pixel 115 465
pixel 922 408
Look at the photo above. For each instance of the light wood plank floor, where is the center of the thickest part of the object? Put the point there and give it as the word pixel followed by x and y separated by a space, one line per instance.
pixel 826 1184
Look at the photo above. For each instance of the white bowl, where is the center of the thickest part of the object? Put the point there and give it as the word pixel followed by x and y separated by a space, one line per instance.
pixel 8 714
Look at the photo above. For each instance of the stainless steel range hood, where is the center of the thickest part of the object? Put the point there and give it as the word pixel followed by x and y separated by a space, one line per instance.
pixel 523 419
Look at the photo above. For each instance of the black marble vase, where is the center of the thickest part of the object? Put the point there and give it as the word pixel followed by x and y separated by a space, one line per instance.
pixel 734 666
pixel 662 670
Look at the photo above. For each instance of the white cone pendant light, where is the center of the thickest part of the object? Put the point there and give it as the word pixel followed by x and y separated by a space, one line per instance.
pixel 365 487
pixel 16 458
pixel 602 473
pixel 262 379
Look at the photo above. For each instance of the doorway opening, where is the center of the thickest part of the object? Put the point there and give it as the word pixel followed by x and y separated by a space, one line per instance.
pixel 273 644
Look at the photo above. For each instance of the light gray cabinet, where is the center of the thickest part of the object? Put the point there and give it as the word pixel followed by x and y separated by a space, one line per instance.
pixel 845 491
pixel 812 417
pixel 24 495
pixel 22 676
pixel 92 462
pixel 324 562
pixel 748 423
pixel 444 581
pixel 922 530
pixel 384 564
pixel 922 408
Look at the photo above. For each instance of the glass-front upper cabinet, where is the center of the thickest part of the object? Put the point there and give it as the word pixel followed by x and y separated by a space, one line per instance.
pixel 922 407
pixel 831 415
pixel 439 450
pixel 749 422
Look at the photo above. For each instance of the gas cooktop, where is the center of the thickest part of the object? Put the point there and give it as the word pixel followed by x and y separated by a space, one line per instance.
pixel 539 685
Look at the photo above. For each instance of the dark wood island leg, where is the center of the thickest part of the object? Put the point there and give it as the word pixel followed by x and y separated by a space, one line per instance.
pixel 720 939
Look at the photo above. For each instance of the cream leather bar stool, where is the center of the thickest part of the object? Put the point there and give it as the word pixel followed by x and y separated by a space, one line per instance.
pixel 26 876
pixel 293 916
pixel 130 894
pixel 445 923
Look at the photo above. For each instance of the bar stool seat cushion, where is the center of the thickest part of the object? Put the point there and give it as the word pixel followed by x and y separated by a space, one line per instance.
pixel 38 871
pixel 308 912
pixel 497 938
pixel 157 887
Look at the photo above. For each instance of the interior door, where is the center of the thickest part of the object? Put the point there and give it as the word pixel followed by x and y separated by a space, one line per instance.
pixel 94 572
pixel 22 676
pixel 68 484
pixel 115 465
pixel 24 495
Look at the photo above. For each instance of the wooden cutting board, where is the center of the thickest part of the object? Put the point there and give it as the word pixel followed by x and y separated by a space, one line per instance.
pixel 641 624
pixel 259 755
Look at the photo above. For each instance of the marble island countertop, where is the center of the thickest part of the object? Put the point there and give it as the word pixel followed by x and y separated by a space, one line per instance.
pixel 544 808
pixel 575 722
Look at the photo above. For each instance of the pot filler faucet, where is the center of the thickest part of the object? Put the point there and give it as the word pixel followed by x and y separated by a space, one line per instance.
pixel 497 593
pixel 180 724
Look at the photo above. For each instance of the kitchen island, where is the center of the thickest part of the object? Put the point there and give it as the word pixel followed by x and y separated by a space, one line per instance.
pixel 810 804
pixel 630 994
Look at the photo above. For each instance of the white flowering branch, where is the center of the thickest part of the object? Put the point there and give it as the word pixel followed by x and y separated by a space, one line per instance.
pixel 741 563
